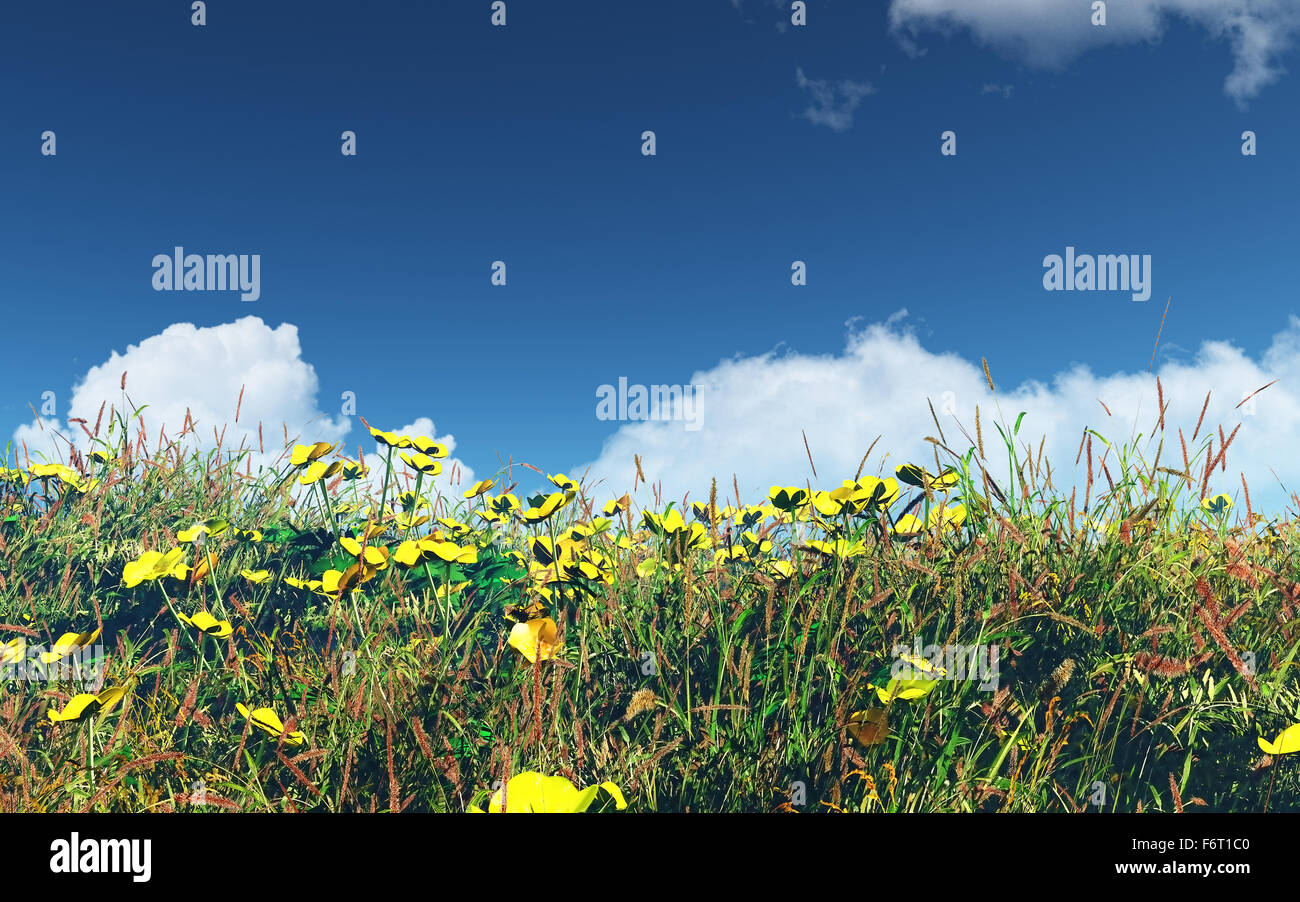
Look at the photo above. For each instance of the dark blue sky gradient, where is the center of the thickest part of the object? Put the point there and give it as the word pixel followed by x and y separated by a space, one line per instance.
pixel 523 144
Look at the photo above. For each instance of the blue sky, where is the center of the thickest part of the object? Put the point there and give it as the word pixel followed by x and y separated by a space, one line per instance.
pixel 522 144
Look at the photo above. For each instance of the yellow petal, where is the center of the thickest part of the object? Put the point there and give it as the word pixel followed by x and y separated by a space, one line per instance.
pixel 77 707
pixel 207 623
pixel 534 638
pixel 110 697
pixel 619 802
pixel 1287 742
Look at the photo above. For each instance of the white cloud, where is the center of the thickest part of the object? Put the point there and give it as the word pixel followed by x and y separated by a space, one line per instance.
pixel 199 372
pixel 1004 90
pixel 832 104
pixel 1048 33
pixel 754 409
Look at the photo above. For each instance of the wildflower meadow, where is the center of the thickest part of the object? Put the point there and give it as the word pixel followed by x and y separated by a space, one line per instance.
pixel 331 632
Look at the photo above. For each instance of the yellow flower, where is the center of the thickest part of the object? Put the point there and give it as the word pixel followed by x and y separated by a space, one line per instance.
pixel 948 517
pixel 668 524
pixel 649 567
pixel 533 792
pixel 319 470
pixel 588 570
pixel 545 507
pixel 882 492
pixel 13 476
pixel 832 504
pixel 206 623
pixel 787 498
pixel 734 553
pixel 910 473
pixel 392 439
pixel 332 582
pixel 413 502
pixel 584 531
pixel 840 548
pixel 448 552
pixel 457 529
pixel 86 705
pixel 256 577
pixel 374 555
pixel 200 532
pixel 13 651
pixel 1286 743
pixel 907 690
pixel 535 638
pixel 353 470
pixel 407 520
pixel 909 525
pixel 426 445
pixel 917 476
pixel 408 553
pixel 559 593
pixel 269 722
pixel 562 482
pixel 154 565
pixel 915 680
pixel 68 476
pixel 305 454
pixel 504 505
pixel 422 462
pixel 202 568
pixel 917 666
pixel 754 546
pixel 480 487
pixel 1218 504
pixel 55 471
pixel 68 644
pixel 779 570
pixel 711 513
pixel 541 548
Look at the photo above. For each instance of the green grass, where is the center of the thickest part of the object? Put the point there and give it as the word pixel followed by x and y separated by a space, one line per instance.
pixel 1144 645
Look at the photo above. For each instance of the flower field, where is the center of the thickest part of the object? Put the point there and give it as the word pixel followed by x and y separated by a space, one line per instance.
pixel 335 635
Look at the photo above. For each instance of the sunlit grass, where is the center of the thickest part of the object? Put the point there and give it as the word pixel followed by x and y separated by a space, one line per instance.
pixel 323 637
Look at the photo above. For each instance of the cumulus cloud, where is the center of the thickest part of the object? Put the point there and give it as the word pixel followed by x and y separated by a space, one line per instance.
pixel 833 103
pixel 1046 33
pixel 755 410
pixel 188 373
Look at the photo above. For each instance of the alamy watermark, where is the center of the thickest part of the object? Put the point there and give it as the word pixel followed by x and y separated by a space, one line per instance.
pixel 180 271
pixel 36 664
pixel 1103 272
pixel 650 402
pixel 102 856
pixel 978 663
